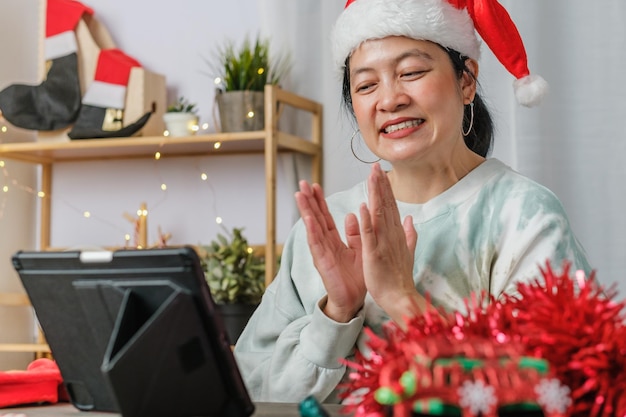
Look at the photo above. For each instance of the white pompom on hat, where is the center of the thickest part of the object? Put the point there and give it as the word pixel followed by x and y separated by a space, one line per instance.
pixel 450 23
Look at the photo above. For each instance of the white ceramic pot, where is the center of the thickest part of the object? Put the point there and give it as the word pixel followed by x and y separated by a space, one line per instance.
pixel 180 124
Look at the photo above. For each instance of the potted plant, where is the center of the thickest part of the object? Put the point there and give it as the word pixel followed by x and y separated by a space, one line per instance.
pixel 242 73
pixel 236 278
pixel 181 118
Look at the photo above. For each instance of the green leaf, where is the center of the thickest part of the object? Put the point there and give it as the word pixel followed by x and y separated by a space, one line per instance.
pixel 249 66
pixel 233 274
pixel 182 105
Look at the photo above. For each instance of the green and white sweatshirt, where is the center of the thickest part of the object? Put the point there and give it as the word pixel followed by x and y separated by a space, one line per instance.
pixel 489 231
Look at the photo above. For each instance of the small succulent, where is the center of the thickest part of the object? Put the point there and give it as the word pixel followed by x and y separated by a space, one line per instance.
pixel 249 66
pixel 232 270
pixel 182 105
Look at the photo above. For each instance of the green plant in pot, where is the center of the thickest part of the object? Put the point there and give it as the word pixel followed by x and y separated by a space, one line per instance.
pixel 236 278
pixel 181 118
pixel 242 73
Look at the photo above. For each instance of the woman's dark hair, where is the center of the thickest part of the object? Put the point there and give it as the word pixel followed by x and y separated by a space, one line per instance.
pixel 480 138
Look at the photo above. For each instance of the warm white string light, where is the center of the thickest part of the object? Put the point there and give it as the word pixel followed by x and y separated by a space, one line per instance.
pixel 5 189
pixel 87 214
pixel 195 129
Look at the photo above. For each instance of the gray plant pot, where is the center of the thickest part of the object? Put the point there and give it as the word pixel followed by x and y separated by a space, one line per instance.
pixel 235 317
pixel 241 111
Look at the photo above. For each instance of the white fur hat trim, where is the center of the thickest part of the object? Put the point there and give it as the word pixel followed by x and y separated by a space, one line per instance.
pixel 433 20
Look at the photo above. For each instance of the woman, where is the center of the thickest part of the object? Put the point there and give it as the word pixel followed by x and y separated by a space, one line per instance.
pixel 444 221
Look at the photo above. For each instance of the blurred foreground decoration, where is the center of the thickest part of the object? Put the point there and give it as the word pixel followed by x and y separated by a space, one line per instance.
pixel 557 348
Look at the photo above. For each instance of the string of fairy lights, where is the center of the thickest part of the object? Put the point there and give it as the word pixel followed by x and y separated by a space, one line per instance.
pixel 10 184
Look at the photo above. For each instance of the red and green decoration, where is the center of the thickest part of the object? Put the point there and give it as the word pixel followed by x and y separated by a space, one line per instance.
pixel 557 348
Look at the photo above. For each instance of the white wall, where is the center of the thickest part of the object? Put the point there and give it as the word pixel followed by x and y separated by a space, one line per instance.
pixel 17 206
pixel 234 191
pixel 173 39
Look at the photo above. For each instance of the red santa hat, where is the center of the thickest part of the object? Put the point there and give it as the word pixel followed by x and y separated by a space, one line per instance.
pixel 108 88
pixel 450 23
pixel 62 16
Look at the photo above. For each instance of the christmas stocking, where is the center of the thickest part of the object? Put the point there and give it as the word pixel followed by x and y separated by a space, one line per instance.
pixel 53 104
pixel 102 112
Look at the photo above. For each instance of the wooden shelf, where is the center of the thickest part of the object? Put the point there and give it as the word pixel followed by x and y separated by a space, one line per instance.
pixel 21 300
pixel 43 152
pixel 268 142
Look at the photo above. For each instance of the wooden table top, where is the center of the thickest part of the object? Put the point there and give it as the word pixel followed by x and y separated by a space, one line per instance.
pixel 68 410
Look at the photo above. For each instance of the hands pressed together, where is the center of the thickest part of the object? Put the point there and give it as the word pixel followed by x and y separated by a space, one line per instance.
pixel 377 256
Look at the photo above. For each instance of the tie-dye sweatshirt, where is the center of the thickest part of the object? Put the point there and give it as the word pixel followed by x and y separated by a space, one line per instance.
pixel 490 230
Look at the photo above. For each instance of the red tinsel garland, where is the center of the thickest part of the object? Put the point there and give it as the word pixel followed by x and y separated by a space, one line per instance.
pixel 581 331
pixel 571 322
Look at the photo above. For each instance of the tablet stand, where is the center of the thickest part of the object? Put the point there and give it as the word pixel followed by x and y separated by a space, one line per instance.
pixel 158 360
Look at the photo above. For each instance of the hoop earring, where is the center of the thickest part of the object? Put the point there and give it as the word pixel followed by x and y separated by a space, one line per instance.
pixel 471 124
pixel 352 149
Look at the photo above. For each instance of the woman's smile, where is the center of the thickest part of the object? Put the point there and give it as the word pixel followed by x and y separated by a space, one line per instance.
pixel 401 126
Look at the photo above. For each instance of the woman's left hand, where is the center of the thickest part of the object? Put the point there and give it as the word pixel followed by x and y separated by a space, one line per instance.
pixel 388 248
pixel 339 264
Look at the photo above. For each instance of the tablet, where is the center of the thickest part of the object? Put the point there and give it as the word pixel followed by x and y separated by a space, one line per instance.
pixel 135 332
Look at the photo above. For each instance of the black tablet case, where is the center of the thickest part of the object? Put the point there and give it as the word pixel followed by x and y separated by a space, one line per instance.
pixel 135 332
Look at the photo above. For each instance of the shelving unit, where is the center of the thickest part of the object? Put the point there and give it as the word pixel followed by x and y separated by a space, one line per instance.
pixel 269 141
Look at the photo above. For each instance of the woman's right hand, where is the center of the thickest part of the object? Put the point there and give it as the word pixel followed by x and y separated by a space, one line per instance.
pixel 339 264
pixel 388 251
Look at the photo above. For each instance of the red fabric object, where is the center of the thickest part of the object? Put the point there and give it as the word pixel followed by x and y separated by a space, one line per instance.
pixel 114 67
pixel 39 383
pixel 450 23
pixel 495 26
pixel 63 16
